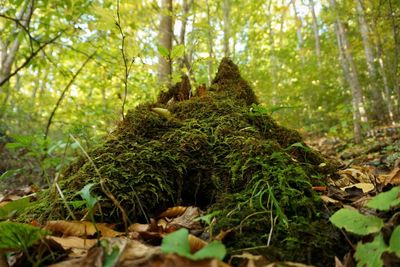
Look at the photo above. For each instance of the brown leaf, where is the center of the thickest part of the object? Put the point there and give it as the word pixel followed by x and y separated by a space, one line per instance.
pixel 139 227
pixel 329 200
pixel 365 187
pixel 393 177
pixel 74 242
pixel 187 219
pixel 80 228
pixel 173 212
pixel 196 243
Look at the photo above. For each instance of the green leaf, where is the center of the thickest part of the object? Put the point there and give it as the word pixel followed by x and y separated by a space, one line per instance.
pixel 369 254
pixel 385 200
pixel 10 209
pixel 394 243
pixel 178 51
pixel 213 250
pixel 9 173
pixel 19 236
pixel 177 242
pixel 355 222
pixel 163 51
pixel 208 217
pixel 85 193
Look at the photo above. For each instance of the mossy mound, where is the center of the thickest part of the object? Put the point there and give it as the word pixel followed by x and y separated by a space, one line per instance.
pixel 219 151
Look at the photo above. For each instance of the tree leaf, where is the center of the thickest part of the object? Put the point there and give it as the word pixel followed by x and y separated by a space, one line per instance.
pixel 369 254
pixel 9 210
pixel 85 193
pixel 394 243
pixel 177 242
pixel 18 235
pixel 213 250
pixel 355 222
pixel 178 51
pixel 163 51
pixel 385 200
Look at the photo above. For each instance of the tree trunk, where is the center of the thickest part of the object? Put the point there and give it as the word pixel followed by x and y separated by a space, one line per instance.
pixel 8 53
pixel 226 10
pixel 395 31
pixel 350 72
pixel 378 106
pixel 299 23
pixel 210 44
pixel 165 39
pixel 185 13
pixel 316 33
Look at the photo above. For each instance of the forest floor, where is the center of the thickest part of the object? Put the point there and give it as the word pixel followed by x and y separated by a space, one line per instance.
pixel 366 170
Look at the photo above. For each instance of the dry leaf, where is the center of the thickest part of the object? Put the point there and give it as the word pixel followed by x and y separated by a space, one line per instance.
pixel 139 227
pixel 329 200
pixel 74 242
pixel 196 243
pixel 80 228
pixel 187 219
pixel 173 212
pixel 393 177
pixel 365 187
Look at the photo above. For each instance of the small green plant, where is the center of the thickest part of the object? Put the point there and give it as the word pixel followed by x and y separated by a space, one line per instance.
pixel 17 236
pixel 369 254
pixel 178 242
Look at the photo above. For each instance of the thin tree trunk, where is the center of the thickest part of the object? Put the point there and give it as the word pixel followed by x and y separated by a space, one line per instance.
pixel 165 39
pixel 316 32
pixel 226 10
pixel 182 37
pixel 350 72
pixel 377 104
pixel 395 31
pixel 210 44
pixel 299 23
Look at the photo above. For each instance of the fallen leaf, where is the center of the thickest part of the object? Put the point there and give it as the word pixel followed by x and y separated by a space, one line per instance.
pixel 393 177
pixel 80 228
pixel 173 212
pixel 74 242
pixel 365 187
pixel 329 200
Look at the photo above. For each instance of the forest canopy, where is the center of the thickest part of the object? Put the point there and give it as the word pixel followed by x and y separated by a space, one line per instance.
pixel 328 66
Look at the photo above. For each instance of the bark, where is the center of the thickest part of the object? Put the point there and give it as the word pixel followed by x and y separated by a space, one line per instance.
pixel 378 106
pixel 299 23
pixel 350 72
pixel 165 39
pixel 9 53
pixel 182 37
pixel 316 32
pixel 395 32
pixel 226 10
pixel 210 44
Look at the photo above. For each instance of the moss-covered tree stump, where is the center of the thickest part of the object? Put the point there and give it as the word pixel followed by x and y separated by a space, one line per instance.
pixel 219 151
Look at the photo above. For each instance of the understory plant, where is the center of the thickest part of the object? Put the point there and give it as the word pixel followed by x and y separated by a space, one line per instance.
pixel 369 254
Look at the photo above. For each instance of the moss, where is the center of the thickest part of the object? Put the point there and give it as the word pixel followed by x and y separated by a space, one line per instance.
pixel 215 153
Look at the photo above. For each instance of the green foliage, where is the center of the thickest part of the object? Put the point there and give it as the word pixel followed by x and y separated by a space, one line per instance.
pixel 12 208
pixel 355 222
pixel 16 236
pixel 178 242
pixel 386 200
pixel 370 254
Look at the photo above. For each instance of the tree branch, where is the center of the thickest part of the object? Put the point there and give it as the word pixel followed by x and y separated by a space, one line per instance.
pixel 63 94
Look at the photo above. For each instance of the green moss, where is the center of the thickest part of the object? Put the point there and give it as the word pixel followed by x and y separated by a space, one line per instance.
pixel 215 153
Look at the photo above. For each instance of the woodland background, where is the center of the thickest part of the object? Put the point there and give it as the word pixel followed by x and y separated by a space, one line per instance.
pixel 74 67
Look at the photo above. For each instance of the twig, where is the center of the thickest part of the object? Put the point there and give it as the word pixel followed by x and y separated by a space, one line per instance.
pixel 63 94
pixel 124 58
pixel 28 59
